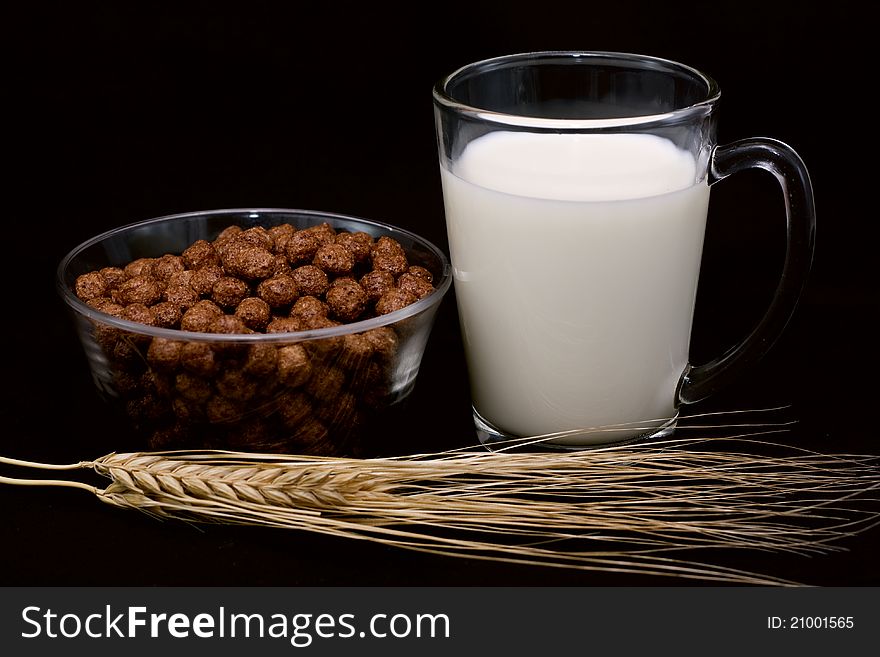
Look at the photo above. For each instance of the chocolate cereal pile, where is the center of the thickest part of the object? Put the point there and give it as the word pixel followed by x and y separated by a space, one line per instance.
pixel 299 397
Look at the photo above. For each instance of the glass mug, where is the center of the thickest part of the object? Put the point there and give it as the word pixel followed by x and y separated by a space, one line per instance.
pixel 576 186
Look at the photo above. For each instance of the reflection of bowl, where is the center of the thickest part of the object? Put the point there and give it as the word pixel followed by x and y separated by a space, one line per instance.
pixel 245 400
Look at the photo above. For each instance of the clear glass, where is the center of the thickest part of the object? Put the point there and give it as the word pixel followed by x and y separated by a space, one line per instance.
pixel 234 391
pixel 576 187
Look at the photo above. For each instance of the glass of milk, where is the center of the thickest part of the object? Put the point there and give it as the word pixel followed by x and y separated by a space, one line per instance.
pixel 576 186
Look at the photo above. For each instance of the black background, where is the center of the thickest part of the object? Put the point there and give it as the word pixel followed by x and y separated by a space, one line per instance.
pixel 119 112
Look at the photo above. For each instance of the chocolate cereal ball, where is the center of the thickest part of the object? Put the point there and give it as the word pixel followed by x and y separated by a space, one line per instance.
pixel 314 323
pixel 310 280
pixel 114 276
pixel 204 279
pixel 302 246
pixel 284 325
pixel 355 352
pixel 415 285
pixel 126 383
pixel 421 272
pixel 394 264
pixel 261 360
pixel 167 314
pixel 200 254
pixel 346 299
pixel 278 291
pixel 234 385
pixel 157 383
pixel 228 325
pixel 192 388
pixel 167 266
pixel 91 286
pixel 106 305
pixel 138 289
pixel 180 278
pixel 139 267
pixel 334 259
pixel 280 235
pixel 384 342
pixel 308 308
pixel 324 350
pixel 326 383
pixel 198 358
pixel 282 266
pixel 200 317
pixel 394 299
pixel 227 235
pixel 258 236
pixel 388 246
pixel 241 258
pixel 360 244
pixel 140 313
pixel 377 283
pixel 325 232
pixel 163 355
pixel 294 366
pixel 388 255
pixel 228 292
pixel 181 296
pixel 254 312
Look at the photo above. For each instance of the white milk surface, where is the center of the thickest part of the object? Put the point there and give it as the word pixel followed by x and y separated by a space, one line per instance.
pixel 576 259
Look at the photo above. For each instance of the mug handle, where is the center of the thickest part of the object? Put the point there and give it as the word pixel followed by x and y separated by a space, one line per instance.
pixel 785 164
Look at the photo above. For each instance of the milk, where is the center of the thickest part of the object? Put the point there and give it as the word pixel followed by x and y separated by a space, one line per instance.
pixel 575 261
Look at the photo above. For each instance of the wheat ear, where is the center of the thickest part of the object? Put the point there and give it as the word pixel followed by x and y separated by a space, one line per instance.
pixel 628 508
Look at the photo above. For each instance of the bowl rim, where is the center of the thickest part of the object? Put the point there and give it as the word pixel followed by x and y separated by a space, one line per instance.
pixel 82 308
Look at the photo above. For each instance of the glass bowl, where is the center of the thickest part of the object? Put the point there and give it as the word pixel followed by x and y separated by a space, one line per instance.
pixel 317 391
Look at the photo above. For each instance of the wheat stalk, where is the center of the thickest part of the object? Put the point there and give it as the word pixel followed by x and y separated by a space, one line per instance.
pixel 623 508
